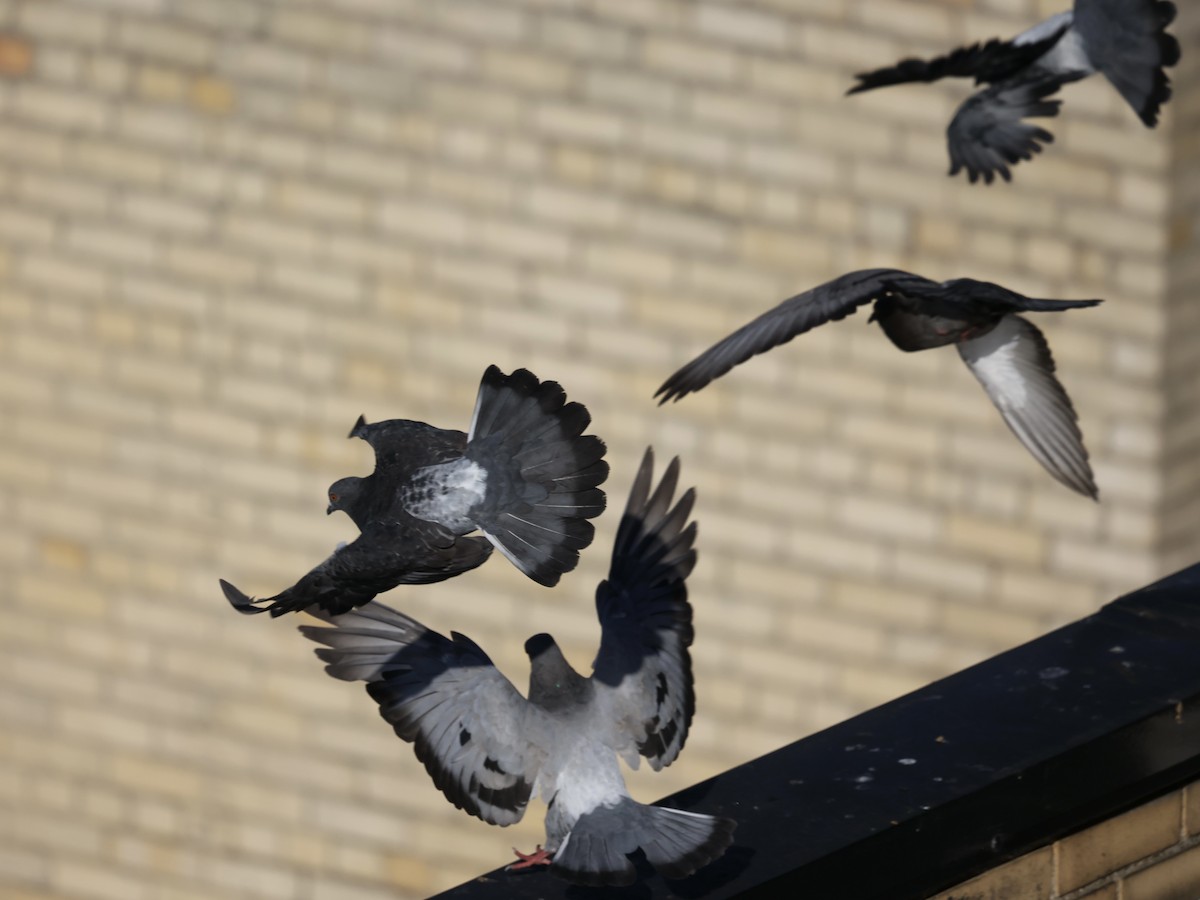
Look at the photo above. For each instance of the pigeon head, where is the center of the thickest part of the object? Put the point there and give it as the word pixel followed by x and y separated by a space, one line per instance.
pixel 343 494
pixel 553 684
pixel 540 644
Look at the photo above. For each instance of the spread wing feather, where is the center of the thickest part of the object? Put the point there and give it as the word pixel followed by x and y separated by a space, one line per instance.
pixel 467 723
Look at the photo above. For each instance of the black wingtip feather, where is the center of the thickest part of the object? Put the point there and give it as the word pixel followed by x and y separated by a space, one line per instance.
pixel 240 601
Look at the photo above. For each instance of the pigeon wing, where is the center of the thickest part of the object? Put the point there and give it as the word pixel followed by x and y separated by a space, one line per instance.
pixel 406 445
pixel 828 302
pixel 986 62
pixel 643 670
pixel 1014 365
pixel 388 553
pixel 987 298
pixel 1128 42
pixel 467 723
pixel 987 134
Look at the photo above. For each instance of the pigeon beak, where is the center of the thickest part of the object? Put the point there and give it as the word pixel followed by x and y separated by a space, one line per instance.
pixel 329 509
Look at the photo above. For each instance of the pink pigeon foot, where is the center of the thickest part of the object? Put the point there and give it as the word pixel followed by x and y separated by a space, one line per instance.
pixel 539 857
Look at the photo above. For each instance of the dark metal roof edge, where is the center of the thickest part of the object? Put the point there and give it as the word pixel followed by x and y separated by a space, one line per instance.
pixel 932 788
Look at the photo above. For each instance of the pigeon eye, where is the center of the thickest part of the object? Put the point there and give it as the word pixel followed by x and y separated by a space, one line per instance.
pixel 333 498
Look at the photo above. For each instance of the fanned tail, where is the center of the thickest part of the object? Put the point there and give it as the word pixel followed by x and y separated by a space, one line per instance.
pixel 676 843
pixel 543 473
pixel 1132 49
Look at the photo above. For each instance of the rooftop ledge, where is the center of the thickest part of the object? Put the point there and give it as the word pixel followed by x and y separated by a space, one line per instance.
pixel 924 792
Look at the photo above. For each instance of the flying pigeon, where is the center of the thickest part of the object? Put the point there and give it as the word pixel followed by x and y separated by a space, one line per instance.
pixel 1006 352
pixel 489 749
pixel 1124 39
pixel 525 476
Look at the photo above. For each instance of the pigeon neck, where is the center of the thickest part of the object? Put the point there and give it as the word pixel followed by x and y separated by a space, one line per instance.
pixel 553 684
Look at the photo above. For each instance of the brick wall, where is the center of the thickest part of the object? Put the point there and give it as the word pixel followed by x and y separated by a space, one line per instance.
pixel 1181 366
pixel 1149 853
pixel 230 226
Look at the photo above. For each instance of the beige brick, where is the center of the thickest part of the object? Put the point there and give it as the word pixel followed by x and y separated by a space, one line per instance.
pixel 994 629
pixel 1019 544
pixel 157 212
pixel 21 867
pixel 876 602
pixel 888 518
pixel 311 201
pixel 524 241
pixel 1119 565
pixel 69 24
pixel 1031 875
pixel 686 58
pixel 161 83
pixel 326 283
pixel 575 207
pixel 1111 231
pixel 907 18
pixel 966 579
pixel 584 37
pixel 61 108
pixel 119 162
pixel 138 6
pixel 66 193
pixel 60 595
pixel 1106 847
pixel 827 633
pixel 632 90
pixel 212 95
pixel 112 243
pixel 67 274
pixel 585 124
pixel 683 142
pixel 832 552
pixel 94 880
pixel 16 56
pixel 208 263
pixel 25 227
pixel 741 25
pixel 1172 878
pixel 867 687
pixel 426 221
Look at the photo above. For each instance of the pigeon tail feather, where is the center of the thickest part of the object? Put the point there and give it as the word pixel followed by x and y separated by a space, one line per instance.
pixel 675 842
pixel 1130 45
pixel 543 473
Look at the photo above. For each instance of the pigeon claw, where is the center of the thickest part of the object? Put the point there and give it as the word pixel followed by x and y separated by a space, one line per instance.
pixel 538 857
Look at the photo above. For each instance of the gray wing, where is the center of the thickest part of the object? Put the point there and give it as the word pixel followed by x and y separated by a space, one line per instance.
pixel 1128 42
pixel 1014 365
pixel 987 134
pixel 466 721
pixel 828 302
pixel 398 551
pixel 643 669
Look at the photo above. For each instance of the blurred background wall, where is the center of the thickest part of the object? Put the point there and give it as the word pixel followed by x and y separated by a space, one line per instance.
pixel 228 227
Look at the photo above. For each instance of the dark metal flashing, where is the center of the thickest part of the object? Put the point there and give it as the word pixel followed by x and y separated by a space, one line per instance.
pixel 926 791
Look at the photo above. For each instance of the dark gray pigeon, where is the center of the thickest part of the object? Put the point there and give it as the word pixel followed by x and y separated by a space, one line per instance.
pixel 1124 39
pixel 526 476
pixel 1006 353
pixel 489 749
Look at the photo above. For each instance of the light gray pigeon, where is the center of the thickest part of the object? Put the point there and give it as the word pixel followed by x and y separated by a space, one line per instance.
pixel 1006 352
pixel 526 476
pixel 489 749
pixel 1124 39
